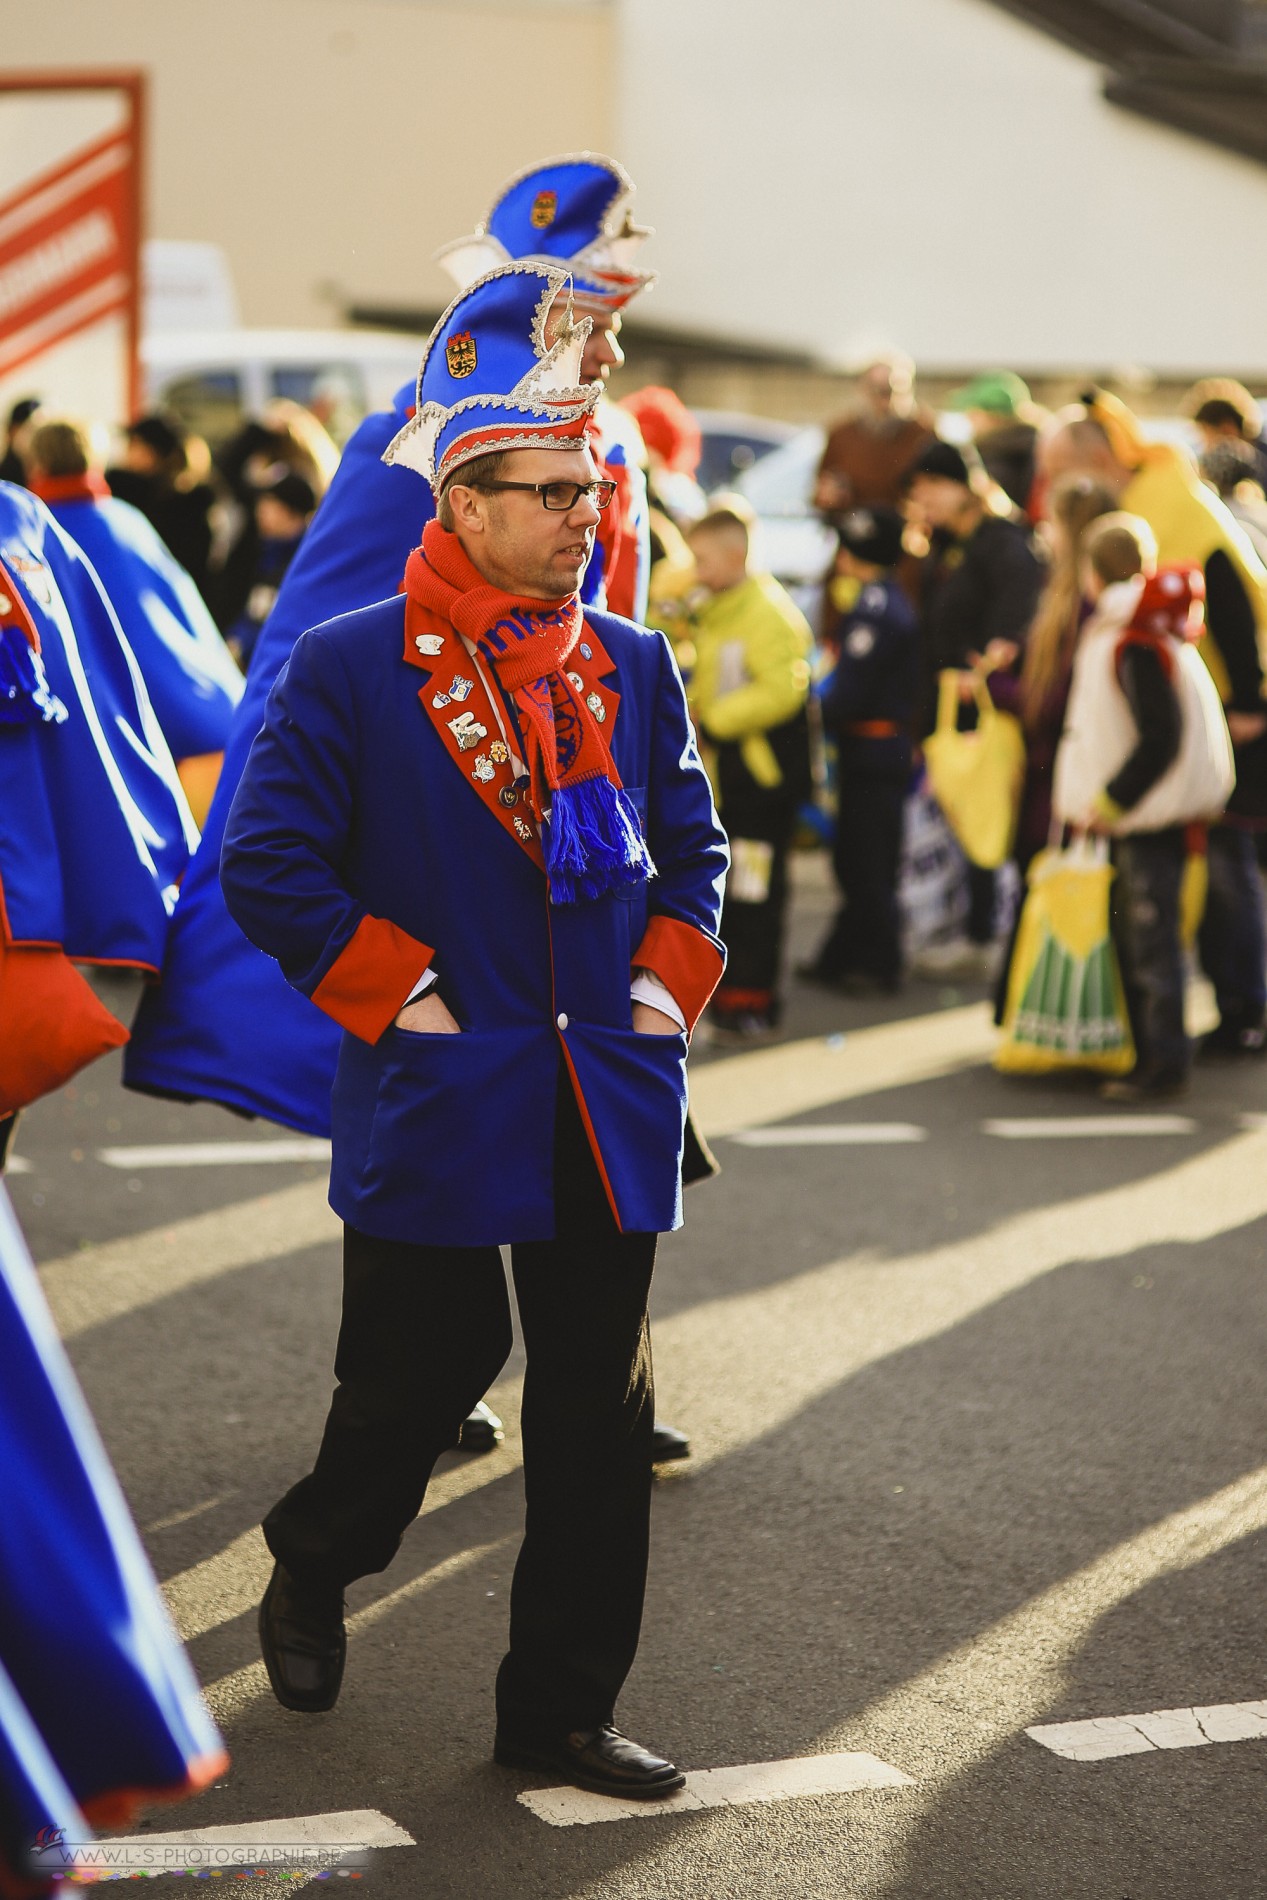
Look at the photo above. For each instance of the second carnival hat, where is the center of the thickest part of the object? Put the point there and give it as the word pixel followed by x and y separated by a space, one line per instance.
pixel 501 370
pixel 572 212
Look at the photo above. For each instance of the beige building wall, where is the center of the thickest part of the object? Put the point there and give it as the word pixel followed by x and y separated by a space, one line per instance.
pixel 837 175
pixel 331 145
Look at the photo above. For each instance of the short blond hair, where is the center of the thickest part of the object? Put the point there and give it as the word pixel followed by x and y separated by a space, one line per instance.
pixel 1119 546
pixel 731 517
pixel 61 448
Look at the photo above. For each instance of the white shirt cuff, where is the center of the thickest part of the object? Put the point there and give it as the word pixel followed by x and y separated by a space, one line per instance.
pixel 420 988
pixel 647 988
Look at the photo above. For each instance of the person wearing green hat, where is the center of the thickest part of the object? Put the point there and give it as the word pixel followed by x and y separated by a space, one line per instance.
pixel 1005 424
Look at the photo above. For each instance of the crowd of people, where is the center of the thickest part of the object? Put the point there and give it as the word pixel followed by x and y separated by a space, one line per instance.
pixel 194 640
pixel 961 550
pixel 979 552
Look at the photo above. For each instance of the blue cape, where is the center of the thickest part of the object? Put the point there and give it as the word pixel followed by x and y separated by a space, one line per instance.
pixel 188 671
pixel 99 1707
pixel 95 833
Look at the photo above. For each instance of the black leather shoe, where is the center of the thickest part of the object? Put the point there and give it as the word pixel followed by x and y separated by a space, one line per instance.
pixel 667 1443
pixel 602 1760
pixel 482 1431
pixel 304 1642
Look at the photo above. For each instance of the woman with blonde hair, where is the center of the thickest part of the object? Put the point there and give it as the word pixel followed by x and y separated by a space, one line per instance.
pixel 1040 694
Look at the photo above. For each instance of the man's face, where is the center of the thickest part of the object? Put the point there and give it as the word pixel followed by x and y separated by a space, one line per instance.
pixel 518 543
pixel 1213 433
pixel 602 353
pixel 936 501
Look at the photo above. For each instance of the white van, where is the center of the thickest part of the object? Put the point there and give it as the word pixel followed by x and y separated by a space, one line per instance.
pixel 214 379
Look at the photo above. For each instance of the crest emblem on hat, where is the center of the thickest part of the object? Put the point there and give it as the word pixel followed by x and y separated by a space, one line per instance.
pixel 460 356
pixel 544 207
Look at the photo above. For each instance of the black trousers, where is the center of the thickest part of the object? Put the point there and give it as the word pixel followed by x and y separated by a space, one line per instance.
pixel 751 921
pixel 425 1332
pixel 1145 921
pixel 866 852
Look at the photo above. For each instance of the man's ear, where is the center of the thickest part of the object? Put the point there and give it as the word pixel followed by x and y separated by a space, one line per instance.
pixel 467 505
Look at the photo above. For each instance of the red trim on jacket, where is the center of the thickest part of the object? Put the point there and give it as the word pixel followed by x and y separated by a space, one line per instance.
pixel 591 1133
pixel 13 609
pixel 54 488
pixel 365 987
pixel 685 961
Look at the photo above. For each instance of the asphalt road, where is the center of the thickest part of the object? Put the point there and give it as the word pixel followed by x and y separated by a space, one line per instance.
pixel 980 1430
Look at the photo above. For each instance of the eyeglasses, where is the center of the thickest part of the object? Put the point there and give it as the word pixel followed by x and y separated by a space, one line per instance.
pixel 561 497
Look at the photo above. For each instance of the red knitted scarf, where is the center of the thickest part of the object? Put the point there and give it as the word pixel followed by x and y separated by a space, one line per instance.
pixel 592 834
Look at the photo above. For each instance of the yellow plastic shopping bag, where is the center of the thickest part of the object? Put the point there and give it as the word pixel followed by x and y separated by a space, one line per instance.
pixel 1065 1005
pixel 976 776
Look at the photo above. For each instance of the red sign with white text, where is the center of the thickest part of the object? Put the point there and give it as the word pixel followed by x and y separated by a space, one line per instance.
pixel 70 237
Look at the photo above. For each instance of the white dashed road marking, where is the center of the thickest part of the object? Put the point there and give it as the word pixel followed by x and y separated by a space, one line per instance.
pixel 1107 1736
pixel 795 1780
pixel 1075 1127
pixel 17 1164
pixel 831 1134
pixel 257 1843
pixel 216 1154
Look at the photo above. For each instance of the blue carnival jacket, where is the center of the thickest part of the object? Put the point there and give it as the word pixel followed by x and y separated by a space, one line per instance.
pixel 362 845
pixel 223 1026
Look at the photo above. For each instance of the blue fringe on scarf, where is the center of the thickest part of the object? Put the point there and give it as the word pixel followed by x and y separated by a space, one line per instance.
pixel 594 842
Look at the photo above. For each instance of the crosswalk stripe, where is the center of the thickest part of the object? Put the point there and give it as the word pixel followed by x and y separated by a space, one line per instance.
pixel 216 1154
pixel 831 1134
pixel 262 1843
pixel 791 1078
pixel 1077 1127
pixel 1104 1737
pixel 798 1779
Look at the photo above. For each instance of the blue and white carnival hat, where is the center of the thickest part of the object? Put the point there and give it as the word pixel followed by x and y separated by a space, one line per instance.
pixel 501 370
pixel 572 212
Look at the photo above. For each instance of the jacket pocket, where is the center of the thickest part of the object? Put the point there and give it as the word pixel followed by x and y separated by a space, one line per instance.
pixel 452 1113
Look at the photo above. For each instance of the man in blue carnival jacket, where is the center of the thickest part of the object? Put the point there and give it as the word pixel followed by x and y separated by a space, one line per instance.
pixel 475 831
pixel 222 1025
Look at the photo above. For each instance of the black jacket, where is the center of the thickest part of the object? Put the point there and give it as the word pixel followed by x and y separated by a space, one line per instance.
pixel 982 589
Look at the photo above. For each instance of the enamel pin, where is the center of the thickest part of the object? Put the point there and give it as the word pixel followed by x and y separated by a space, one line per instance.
pixel 459 688
pixel 430 643
pixel 483 769
pixel 467 730
pixel 596 706
pixel 499 752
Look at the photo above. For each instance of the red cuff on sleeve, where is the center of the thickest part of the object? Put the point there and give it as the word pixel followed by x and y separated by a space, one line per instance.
pixel 686 962
pixel 367 983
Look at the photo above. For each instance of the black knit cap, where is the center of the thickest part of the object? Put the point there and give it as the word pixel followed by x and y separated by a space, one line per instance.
pixel 944 459
pixel 160 431
pixel 293 492
pixel 873 534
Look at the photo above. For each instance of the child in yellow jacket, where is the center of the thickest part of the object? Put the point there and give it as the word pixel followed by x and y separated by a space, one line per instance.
pixel 748 690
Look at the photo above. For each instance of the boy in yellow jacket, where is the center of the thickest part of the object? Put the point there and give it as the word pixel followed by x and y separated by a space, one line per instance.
pixel 748 691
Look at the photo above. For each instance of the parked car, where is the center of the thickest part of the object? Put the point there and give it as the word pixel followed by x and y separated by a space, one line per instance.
pixel 734 443
pixel 214 379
